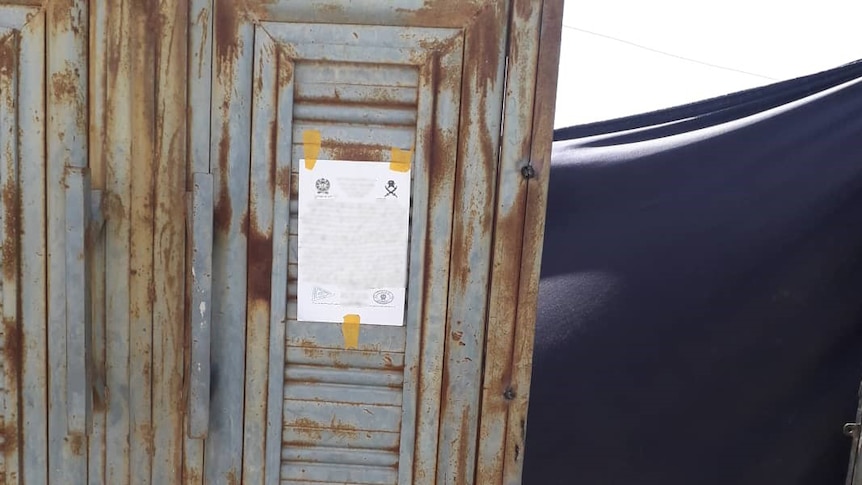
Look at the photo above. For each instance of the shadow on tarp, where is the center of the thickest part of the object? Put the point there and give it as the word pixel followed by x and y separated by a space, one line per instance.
pixel 700 312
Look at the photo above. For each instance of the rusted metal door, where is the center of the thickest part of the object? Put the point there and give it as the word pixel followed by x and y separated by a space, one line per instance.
pixel 150 153
pixel 294 82
pixel 43 155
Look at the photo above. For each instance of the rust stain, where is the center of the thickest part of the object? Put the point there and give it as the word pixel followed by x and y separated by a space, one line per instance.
pixel 524 9
pixel 8 55
pixel 311 351
pixel 227 42
pixel 254 10
pixel 64 85
pixel 112 205
pixel 456 336
pixel 294 189
pixel 482 49
pixel 9 438
pixel 285 65
pixel 482 55
pixel 258 81
pixel 273 154
pixel 445 13
pixel 193 475
pixel 146 432
pixel 283 176
pixel 355 152
pixel 307 343
pixel 60 16
pixel 311 433
pixel 340 428
pixel 259 263
pixel 203 20
pixel 10 228
pixel 99 402
pixel 12 351
pixel 305 423
pixel 76 444
pixel 223 211
pixel 463 444
pixel 231 478
pixel 387 360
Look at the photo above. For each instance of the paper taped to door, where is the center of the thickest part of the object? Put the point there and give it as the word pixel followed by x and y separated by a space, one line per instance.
pixel 354 222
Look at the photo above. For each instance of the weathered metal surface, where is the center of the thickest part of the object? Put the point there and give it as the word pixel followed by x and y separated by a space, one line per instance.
pixel 229 89
pixel 66 141
pixel 533 236
pixel 32 356
pixel 280 268
pixel 79 404
pixel 141 275
pixel 510 326
pixel 200 234
pixel 9 256
pixel 417 13
pixel 231 124
pixel 170 46
pixel 199 82
pixel 97 77
pixel 482 96
pixel 118 134
pixel 438 145
pixel 260 254
pixel 365 128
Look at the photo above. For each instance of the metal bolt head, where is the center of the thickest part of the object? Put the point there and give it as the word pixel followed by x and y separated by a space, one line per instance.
pixel 528 171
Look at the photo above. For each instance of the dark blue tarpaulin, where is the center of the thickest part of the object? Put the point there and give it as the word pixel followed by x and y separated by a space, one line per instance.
pixel 700 313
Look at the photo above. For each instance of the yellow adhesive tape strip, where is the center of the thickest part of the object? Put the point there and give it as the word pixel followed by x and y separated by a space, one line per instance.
pixel 310 147
pixel 350 329
pixel 400 160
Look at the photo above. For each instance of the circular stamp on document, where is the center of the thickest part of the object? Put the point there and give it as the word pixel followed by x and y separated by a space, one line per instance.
pixel 322 186
pixel 383 297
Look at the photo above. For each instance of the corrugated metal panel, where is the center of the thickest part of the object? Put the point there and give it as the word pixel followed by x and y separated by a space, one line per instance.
pixel 141 98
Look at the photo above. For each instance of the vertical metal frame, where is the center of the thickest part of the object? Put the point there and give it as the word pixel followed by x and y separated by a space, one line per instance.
pixel 24 327
pixel 10 233
pixel 533 59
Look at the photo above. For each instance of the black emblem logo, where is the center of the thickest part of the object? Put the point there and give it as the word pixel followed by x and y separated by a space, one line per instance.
pixel 383 297
pixel 322 186
pixel 390 189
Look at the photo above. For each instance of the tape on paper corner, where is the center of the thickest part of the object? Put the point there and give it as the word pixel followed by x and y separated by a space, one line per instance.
pixel 401 160
pixel 350 330
pixel 310 147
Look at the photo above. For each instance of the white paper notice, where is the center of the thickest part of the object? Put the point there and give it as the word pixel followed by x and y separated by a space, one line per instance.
pixel 353 233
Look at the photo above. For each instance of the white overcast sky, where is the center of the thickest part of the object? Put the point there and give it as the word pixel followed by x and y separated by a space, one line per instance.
pixel 601 78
